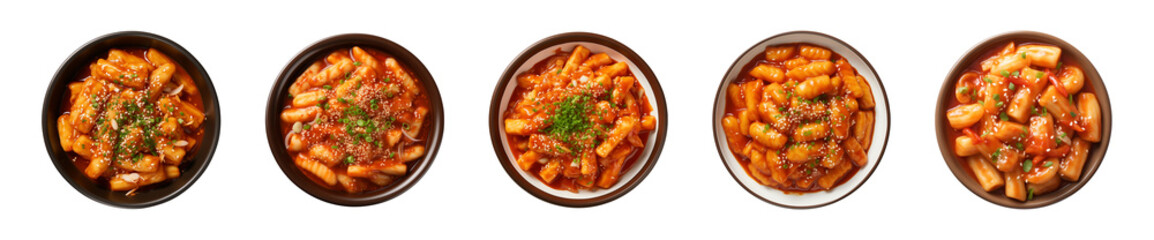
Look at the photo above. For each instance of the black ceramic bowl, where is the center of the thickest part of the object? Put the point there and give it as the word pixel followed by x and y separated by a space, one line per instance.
pixel 279 94
pixel 78 64
pixel 1069 54
pixel 503 93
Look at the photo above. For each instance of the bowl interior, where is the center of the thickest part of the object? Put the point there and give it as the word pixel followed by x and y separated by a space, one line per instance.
pixel 279 94
pixel 57 95
pixel 1069 53
pixel 596 44
pixel 881 123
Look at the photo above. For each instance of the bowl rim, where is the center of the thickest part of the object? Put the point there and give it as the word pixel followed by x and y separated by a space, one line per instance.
pixel 723 148
pixel 1094 160
pixel 319 50
pixel 65 75
pixel 547 44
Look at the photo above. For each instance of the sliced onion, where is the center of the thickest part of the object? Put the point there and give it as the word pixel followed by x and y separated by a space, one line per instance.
pixel 1065 138
pixel 131 177
pixel 400 150
pixel 177 90
pixel 410 137
pixel 543 160
pixel 115 126
pixel 181 143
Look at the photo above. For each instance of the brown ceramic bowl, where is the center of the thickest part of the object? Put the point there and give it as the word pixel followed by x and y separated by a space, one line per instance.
pixel 279 94
pixel 58 94
pixel 1069 53
pixel 811 199
pixel 535 53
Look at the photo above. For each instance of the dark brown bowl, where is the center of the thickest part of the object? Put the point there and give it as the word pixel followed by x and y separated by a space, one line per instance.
pixel 1069 53
pixel 58 94
pixel 538 51
pixel 881 123
pixel 319 50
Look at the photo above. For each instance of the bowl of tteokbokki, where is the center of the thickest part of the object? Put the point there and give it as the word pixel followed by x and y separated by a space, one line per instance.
pixel 131 119
pixel 1023 120
pixel 801 120
pixel 577 119
pixel 354 120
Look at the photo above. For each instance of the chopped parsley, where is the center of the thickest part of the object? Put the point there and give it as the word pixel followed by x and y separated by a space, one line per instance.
pixel 570 123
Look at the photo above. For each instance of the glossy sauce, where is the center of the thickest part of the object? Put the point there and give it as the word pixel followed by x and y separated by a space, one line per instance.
pixel 1019 143
pixel 192 97
pixel 812 170
pixel 356 126
pixel 556 88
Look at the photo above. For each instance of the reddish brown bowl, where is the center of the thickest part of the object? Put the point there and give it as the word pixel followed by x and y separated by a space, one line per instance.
pixel 631 177
pixel 1069 53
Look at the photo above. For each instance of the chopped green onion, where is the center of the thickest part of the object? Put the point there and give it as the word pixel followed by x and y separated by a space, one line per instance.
pixel 1005 73
pixel 1027 166
pixel 1048 164
pixel 327 87
pixel 1011 86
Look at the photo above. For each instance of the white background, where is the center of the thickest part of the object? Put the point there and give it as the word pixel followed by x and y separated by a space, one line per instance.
pixel 467 44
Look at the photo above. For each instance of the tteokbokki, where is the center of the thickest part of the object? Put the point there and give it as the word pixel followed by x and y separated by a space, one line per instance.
pixel 799 118
pixel 355 120
pixel 578 120
pixel 1023 119
pixel 132 119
